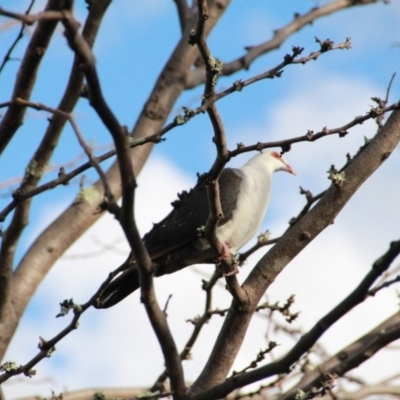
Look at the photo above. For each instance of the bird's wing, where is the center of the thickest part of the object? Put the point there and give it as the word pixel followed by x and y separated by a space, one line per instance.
pixel 190 212
pixel 229 188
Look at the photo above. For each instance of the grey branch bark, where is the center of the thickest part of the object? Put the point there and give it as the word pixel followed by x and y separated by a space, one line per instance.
pixel 351 356
pixel 34 173
pixel 296 239
pixel 27 73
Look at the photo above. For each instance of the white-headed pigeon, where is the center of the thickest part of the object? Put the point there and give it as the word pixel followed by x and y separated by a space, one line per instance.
pixel 176 242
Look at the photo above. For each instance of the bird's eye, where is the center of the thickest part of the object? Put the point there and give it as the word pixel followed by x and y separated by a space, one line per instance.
pixel 276 155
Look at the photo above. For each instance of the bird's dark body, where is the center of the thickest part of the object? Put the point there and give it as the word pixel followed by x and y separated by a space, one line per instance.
pixel 176 242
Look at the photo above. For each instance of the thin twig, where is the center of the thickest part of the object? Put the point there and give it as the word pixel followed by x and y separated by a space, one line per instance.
pixel 384 285
pixel 63 177
pixel 262 241
pixel 48 347
pixel 389 87
pixel 198 323
pixel 260 357
pixel 196 77
pixel 31 19
pixel 20 35
pixel 310 201
pixel 11 183
pixel 94 162
pixel 272 73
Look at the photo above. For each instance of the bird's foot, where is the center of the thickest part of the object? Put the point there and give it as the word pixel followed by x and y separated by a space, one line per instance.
pixel 226 255
pixel 225 252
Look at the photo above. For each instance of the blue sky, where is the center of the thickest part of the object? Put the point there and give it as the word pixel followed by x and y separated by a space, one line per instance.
pixel 134 43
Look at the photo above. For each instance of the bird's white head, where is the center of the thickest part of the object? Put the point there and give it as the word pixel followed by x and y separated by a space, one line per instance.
pixel 272 161
pixel 279 163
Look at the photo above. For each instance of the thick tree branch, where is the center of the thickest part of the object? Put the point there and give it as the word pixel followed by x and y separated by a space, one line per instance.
pixel 9 125
pixel 11 121
pixel 25 280
pixel 183 13
pixel 351 356
pixel 387 332
pixel 296 239
pixel 26 77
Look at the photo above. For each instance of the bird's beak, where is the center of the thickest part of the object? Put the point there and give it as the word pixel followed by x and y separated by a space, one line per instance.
pixel 290 169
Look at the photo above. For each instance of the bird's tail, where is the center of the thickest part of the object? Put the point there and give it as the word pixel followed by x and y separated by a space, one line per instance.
pixel 119 288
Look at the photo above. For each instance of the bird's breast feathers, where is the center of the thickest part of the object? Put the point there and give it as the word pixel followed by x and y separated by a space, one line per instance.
pixel 252 203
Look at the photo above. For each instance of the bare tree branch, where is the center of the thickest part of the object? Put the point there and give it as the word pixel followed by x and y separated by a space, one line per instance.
pixel 272 73
pixel 46 348
pixel 22 194
pixel 20 35
pixel 25 280
pixel 351 356
pixel 197 76
pixel 93 161
pixel 384 285
pixel 388 331
pixel 42 35
pixel 11 121
pixel 183 13
pixel 295 240
pixel 50 15
pixel 262 241
pixel 213 69
pixel 188 66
